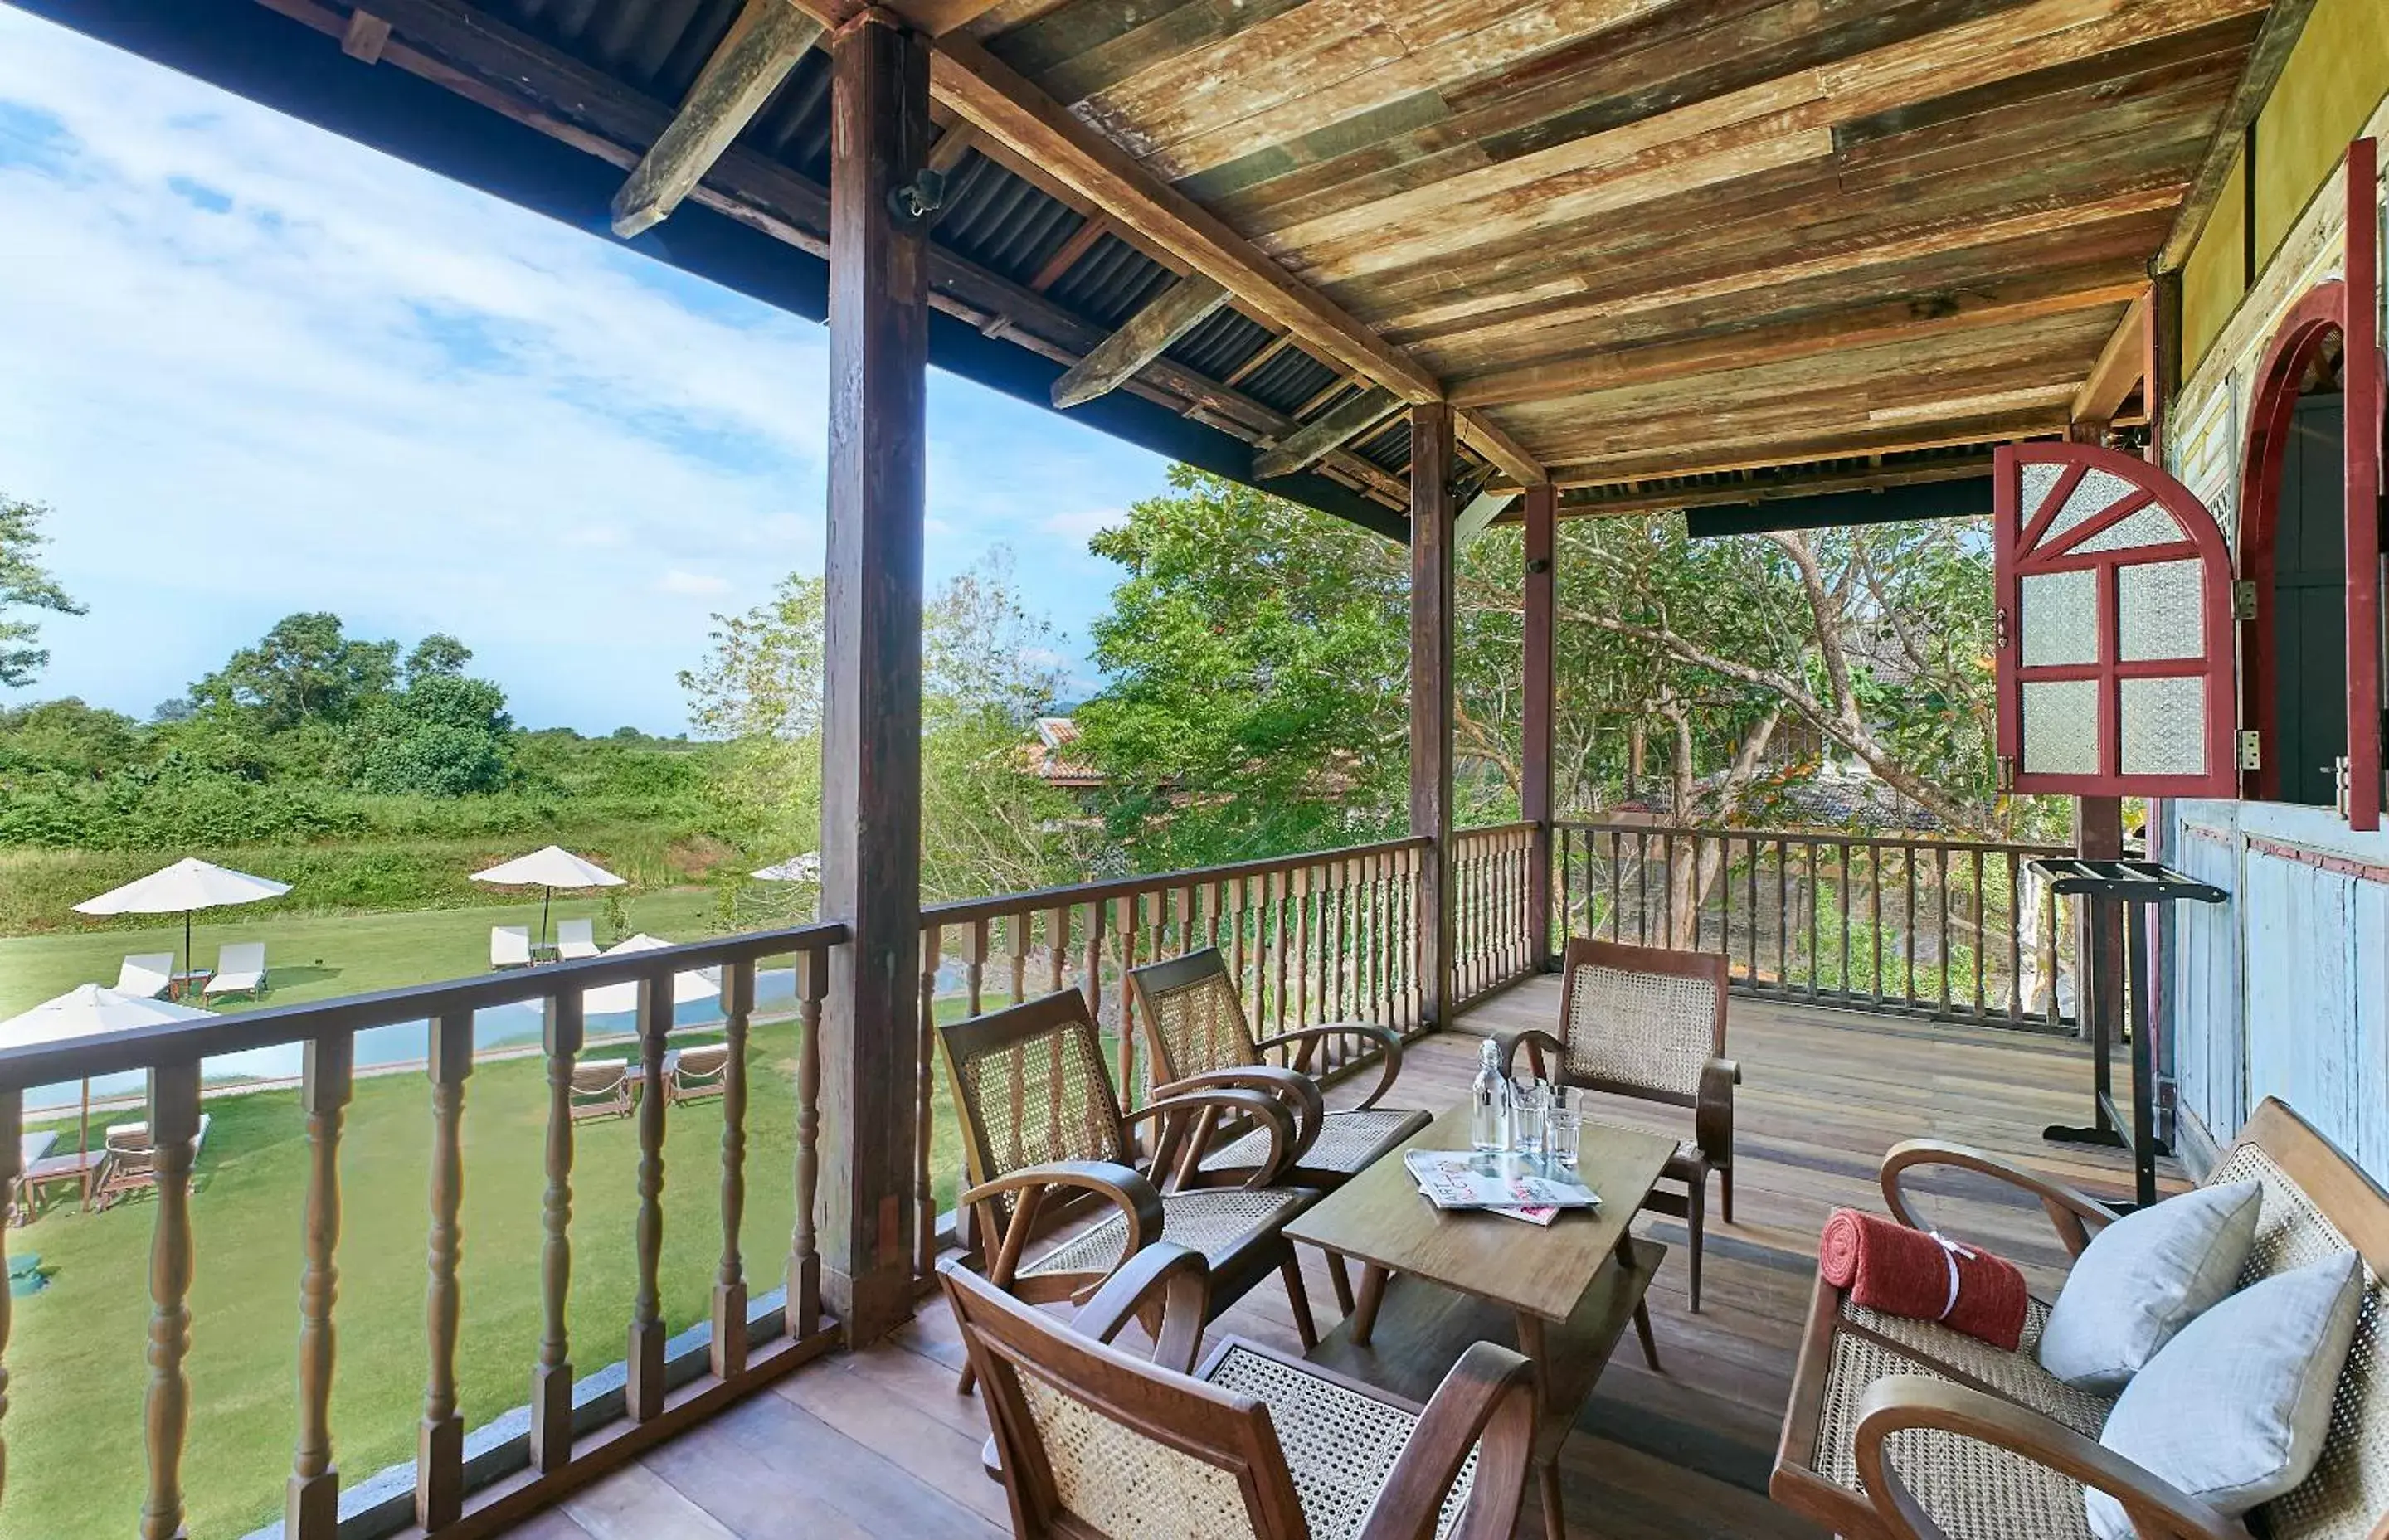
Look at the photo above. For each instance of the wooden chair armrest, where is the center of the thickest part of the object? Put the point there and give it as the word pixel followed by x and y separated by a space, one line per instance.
pixel 1138 1200
pixel 1389 1041
pixel 1192 1115
pixel 1713 1110
pixel 1298 1092
pixel 2158 1510
pixel 1534 1040
pixel 2073 1212
pixel 1174 1279
pixel 1490 1395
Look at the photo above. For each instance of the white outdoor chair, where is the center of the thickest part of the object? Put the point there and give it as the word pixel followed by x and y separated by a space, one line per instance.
pixel 509 946
pixel 145 976
pixel 240 970
pixel 575 939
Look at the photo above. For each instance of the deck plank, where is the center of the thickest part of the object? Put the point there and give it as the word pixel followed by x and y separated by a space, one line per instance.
pixel 879 1444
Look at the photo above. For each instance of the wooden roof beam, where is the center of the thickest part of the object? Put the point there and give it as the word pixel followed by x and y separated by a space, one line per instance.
pixel 1957 468
pixel 764 45
pixel 1506 454
pixel 1310 443
pixel 1707 459
pixel 2266 57
pixel 1066 256
pixel 2121 364
pixel 1007 108
pixel 1181 308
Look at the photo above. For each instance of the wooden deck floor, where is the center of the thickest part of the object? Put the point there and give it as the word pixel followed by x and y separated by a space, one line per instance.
pixel 877 1444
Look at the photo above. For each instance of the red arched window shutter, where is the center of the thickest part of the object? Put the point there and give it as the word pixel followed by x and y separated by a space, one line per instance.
pixel 2114 665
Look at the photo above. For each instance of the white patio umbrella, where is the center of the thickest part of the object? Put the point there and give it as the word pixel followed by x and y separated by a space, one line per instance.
pixel 795 869
pixel 548 870
pixel 90 1010
pixel 190 884
pixel 610 1000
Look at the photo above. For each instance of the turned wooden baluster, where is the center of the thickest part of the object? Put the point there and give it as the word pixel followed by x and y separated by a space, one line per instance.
pixel 804 1258
pixel 924 1205
pixel 975 946
pixel 1302 884
pixel 1131 917
pixel 311 1509
pixel 730 1281
pixel 644 1357
pixel 440 1442
pixel 1016 942
pixel 551 1379
pixel 12 1132
pixel 174 1129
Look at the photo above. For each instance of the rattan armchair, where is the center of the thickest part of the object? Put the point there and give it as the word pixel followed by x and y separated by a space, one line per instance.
pixel 1047 1148
pixel 1092 1441
pixel 1195 1028
pixel 1649 1023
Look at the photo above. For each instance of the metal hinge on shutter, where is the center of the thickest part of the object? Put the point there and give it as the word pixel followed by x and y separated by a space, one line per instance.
pixel 2243 599
pixel 2252 754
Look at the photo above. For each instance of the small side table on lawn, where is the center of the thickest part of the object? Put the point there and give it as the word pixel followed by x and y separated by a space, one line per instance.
pixel 184 985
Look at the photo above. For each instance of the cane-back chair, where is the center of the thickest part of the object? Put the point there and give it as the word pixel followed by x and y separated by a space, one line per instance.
pixel 1906 1430
pixel 1046 1145
pixel 1096 1443
pixel 1649 1023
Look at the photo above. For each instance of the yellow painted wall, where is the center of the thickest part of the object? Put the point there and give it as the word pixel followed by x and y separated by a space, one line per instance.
pixel 2212 280
pixel 2336 75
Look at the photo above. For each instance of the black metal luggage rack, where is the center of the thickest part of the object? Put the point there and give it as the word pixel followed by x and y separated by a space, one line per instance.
pixel 2113 887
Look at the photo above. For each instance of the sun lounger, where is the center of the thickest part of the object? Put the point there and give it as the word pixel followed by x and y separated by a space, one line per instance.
pixel 698 1073
pixel 146 975
pixel 240 970
pixel 601 1087
pixel 575 939
pixel 128 1161
pixel 509 946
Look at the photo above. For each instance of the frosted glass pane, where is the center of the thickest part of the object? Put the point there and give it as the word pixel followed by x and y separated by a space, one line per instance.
pixel 2157 606
pixel 2165 726
pixel 2093 495
pixel 2061 727
pixel 2150 525
pixel 2038 482
pixel 2060 623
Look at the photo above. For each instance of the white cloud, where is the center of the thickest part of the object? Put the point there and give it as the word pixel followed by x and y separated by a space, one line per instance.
pixel 1082 525
pixel 694 585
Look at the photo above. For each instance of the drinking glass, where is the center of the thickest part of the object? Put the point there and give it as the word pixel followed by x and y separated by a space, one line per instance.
pixel 1529 1106
pixel 1563 1126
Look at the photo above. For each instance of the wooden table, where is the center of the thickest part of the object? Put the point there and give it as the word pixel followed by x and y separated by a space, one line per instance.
pixel 1566 1291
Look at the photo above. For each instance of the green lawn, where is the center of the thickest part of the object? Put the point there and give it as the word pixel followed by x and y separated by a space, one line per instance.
pixel 319 956
pixel 75 1361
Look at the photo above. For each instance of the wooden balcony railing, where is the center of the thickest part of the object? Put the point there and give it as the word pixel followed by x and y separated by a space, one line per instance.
pixel 1953 929
pixel 744 1343
pixel 1331 935
pixel 1493 921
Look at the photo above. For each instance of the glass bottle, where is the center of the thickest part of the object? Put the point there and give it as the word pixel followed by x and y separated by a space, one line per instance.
pixel 1488 1117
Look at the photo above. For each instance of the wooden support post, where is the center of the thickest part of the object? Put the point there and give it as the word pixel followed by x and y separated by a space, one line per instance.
pixel 1431 598
pixel 871 761
pixel 2098 835
pixel 311 1509
pixel 439 1440
pixel 2362 447
pixel 551 1382
pixel 1535 800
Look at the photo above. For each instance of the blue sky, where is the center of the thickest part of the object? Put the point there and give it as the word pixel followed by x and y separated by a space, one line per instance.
pixel 256 368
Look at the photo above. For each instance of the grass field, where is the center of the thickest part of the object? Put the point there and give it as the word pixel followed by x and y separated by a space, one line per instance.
pixel 75 1358
pixel 319 956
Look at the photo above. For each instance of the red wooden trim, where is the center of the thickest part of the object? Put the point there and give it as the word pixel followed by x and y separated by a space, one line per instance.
pixel 2097 523
pixel 2323 860
pixel 2363 485
pixel 2300 333
pixel 2059 495
pixel 2173 551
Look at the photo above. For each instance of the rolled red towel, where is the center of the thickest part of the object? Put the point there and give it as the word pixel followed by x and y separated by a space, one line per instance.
pixel 1900 1271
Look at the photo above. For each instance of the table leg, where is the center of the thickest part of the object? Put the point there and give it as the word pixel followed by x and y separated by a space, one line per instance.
pixel 1530 1343
pixel 1340 1277
pixel 1642 1329
pixel 1373 1295
pixel 1547 1471
pixel 1547 1485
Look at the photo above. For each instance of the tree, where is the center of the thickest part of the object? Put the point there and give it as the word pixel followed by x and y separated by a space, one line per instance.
pixel 443 736
pixel 305 670
pixel 437 654
pixel 25 585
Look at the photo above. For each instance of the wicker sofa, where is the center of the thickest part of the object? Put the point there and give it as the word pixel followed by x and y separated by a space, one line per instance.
pixel 1901 1429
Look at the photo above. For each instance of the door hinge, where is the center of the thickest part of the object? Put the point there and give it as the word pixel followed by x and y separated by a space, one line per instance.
pixel 2243 599
pixel 2251 755
pixel 2006 763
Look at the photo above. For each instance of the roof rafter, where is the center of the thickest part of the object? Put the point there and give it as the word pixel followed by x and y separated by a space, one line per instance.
pixel 1178 309
pixel 1332 429
pixel 764 42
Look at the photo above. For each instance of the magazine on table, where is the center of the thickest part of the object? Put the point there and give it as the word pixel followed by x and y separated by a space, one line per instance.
pixel 1498 1184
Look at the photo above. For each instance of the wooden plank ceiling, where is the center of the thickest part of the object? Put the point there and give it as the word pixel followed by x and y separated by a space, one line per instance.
pixel 1645 246
pixel 1683 234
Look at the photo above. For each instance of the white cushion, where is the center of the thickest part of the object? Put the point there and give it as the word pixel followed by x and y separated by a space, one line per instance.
pixel 2144 1278
pixel 2235 1409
